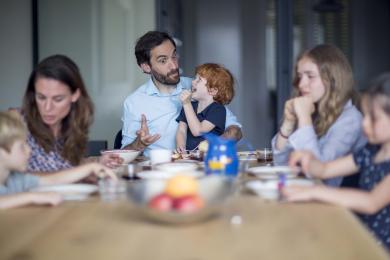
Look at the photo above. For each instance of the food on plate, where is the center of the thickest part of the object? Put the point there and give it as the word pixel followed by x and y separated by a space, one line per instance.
pixel 176 156
pixel 203 146
pixel 180 194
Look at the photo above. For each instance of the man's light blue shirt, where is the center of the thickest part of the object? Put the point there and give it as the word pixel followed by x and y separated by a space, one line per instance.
pixel 161 111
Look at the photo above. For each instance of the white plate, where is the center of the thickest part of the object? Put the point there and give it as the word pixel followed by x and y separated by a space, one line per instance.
pixel 176 167
pixel 70 191
pixel 144 163
pixel 247 155
pixel 269 189
pixel 187 161
pixel 271 172
pixel 167 175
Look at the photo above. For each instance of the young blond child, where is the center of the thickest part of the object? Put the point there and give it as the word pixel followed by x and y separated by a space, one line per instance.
pixel 372 161
pixel 212 88
pixel 14 155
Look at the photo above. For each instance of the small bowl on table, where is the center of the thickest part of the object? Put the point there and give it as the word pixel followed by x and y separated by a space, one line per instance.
pixel 127 155
pixel 214 190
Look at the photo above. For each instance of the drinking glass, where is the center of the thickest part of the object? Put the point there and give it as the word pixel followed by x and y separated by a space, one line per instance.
pixel 112 190
pixel 265 155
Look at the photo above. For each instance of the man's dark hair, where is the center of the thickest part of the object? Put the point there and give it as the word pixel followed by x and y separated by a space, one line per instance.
pixel 147 42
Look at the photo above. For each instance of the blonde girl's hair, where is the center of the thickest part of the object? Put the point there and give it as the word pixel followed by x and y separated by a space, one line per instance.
pixel 337 77
pixel 219 78
pixel 12 129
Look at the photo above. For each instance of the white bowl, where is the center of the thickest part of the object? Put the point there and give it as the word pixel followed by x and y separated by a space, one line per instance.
pixel 176 167
pixel 268 189
pixel 75 191
pixel 157 174
pixel 214 190
pixel 126 155
pixel 273 172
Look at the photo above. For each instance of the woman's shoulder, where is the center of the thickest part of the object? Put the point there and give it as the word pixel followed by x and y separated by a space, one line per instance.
pixel 350 115
pixel 351 110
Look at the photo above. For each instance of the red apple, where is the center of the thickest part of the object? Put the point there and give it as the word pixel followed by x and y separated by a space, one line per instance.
pixel 188 204
pixel 161 202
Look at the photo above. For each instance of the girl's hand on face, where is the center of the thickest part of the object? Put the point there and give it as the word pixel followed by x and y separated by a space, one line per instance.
pixel 110 160
pixel 289 112
pixel 185 96
pixel 289 119
pixel 303 107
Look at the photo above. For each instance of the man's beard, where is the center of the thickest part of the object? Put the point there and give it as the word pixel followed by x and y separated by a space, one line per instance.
pixel 165 79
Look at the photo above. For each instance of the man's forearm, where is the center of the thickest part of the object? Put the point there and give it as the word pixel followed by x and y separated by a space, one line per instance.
pixel 233 132
pixel 137 144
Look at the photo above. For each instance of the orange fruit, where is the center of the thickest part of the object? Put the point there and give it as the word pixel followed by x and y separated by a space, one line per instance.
pixel 181 185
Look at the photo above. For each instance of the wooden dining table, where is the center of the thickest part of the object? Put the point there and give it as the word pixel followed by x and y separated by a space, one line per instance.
pixel 247 228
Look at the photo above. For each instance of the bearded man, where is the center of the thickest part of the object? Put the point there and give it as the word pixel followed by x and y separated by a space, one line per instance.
pixel 150 112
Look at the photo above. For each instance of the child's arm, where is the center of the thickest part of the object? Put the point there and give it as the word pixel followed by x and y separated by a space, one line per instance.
pixel 197 128
pixel 26 198
pixel 356 200
pixel 313 167
pixel 77 173
pixel 181 136
pixel 109 159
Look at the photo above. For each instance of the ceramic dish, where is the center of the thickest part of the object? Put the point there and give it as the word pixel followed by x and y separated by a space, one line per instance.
pixel 146 163
pixel 247 155
pixel 156 174
pixel 70 191
pixel 126 155
pixel 272 172
pixel 214 190
pixel 176 167
pixel 268 189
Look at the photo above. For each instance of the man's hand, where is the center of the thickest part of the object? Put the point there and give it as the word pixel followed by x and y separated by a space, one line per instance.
pixel 144 139
pixel 143 133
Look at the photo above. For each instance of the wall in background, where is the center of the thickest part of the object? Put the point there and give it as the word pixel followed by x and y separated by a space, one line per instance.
pixel 370 40
pixel 100 37
pixel 232 32
pixel 15 51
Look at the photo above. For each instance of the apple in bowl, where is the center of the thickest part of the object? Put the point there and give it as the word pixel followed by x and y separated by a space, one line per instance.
pixel 188 204
pixel 180 194
pixel 161 202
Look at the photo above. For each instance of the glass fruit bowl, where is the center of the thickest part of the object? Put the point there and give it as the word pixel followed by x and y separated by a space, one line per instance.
pixel 213 191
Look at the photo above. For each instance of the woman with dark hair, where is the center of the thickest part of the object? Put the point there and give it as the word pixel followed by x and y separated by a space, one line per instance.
pixel 320 116
pixel 58 112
